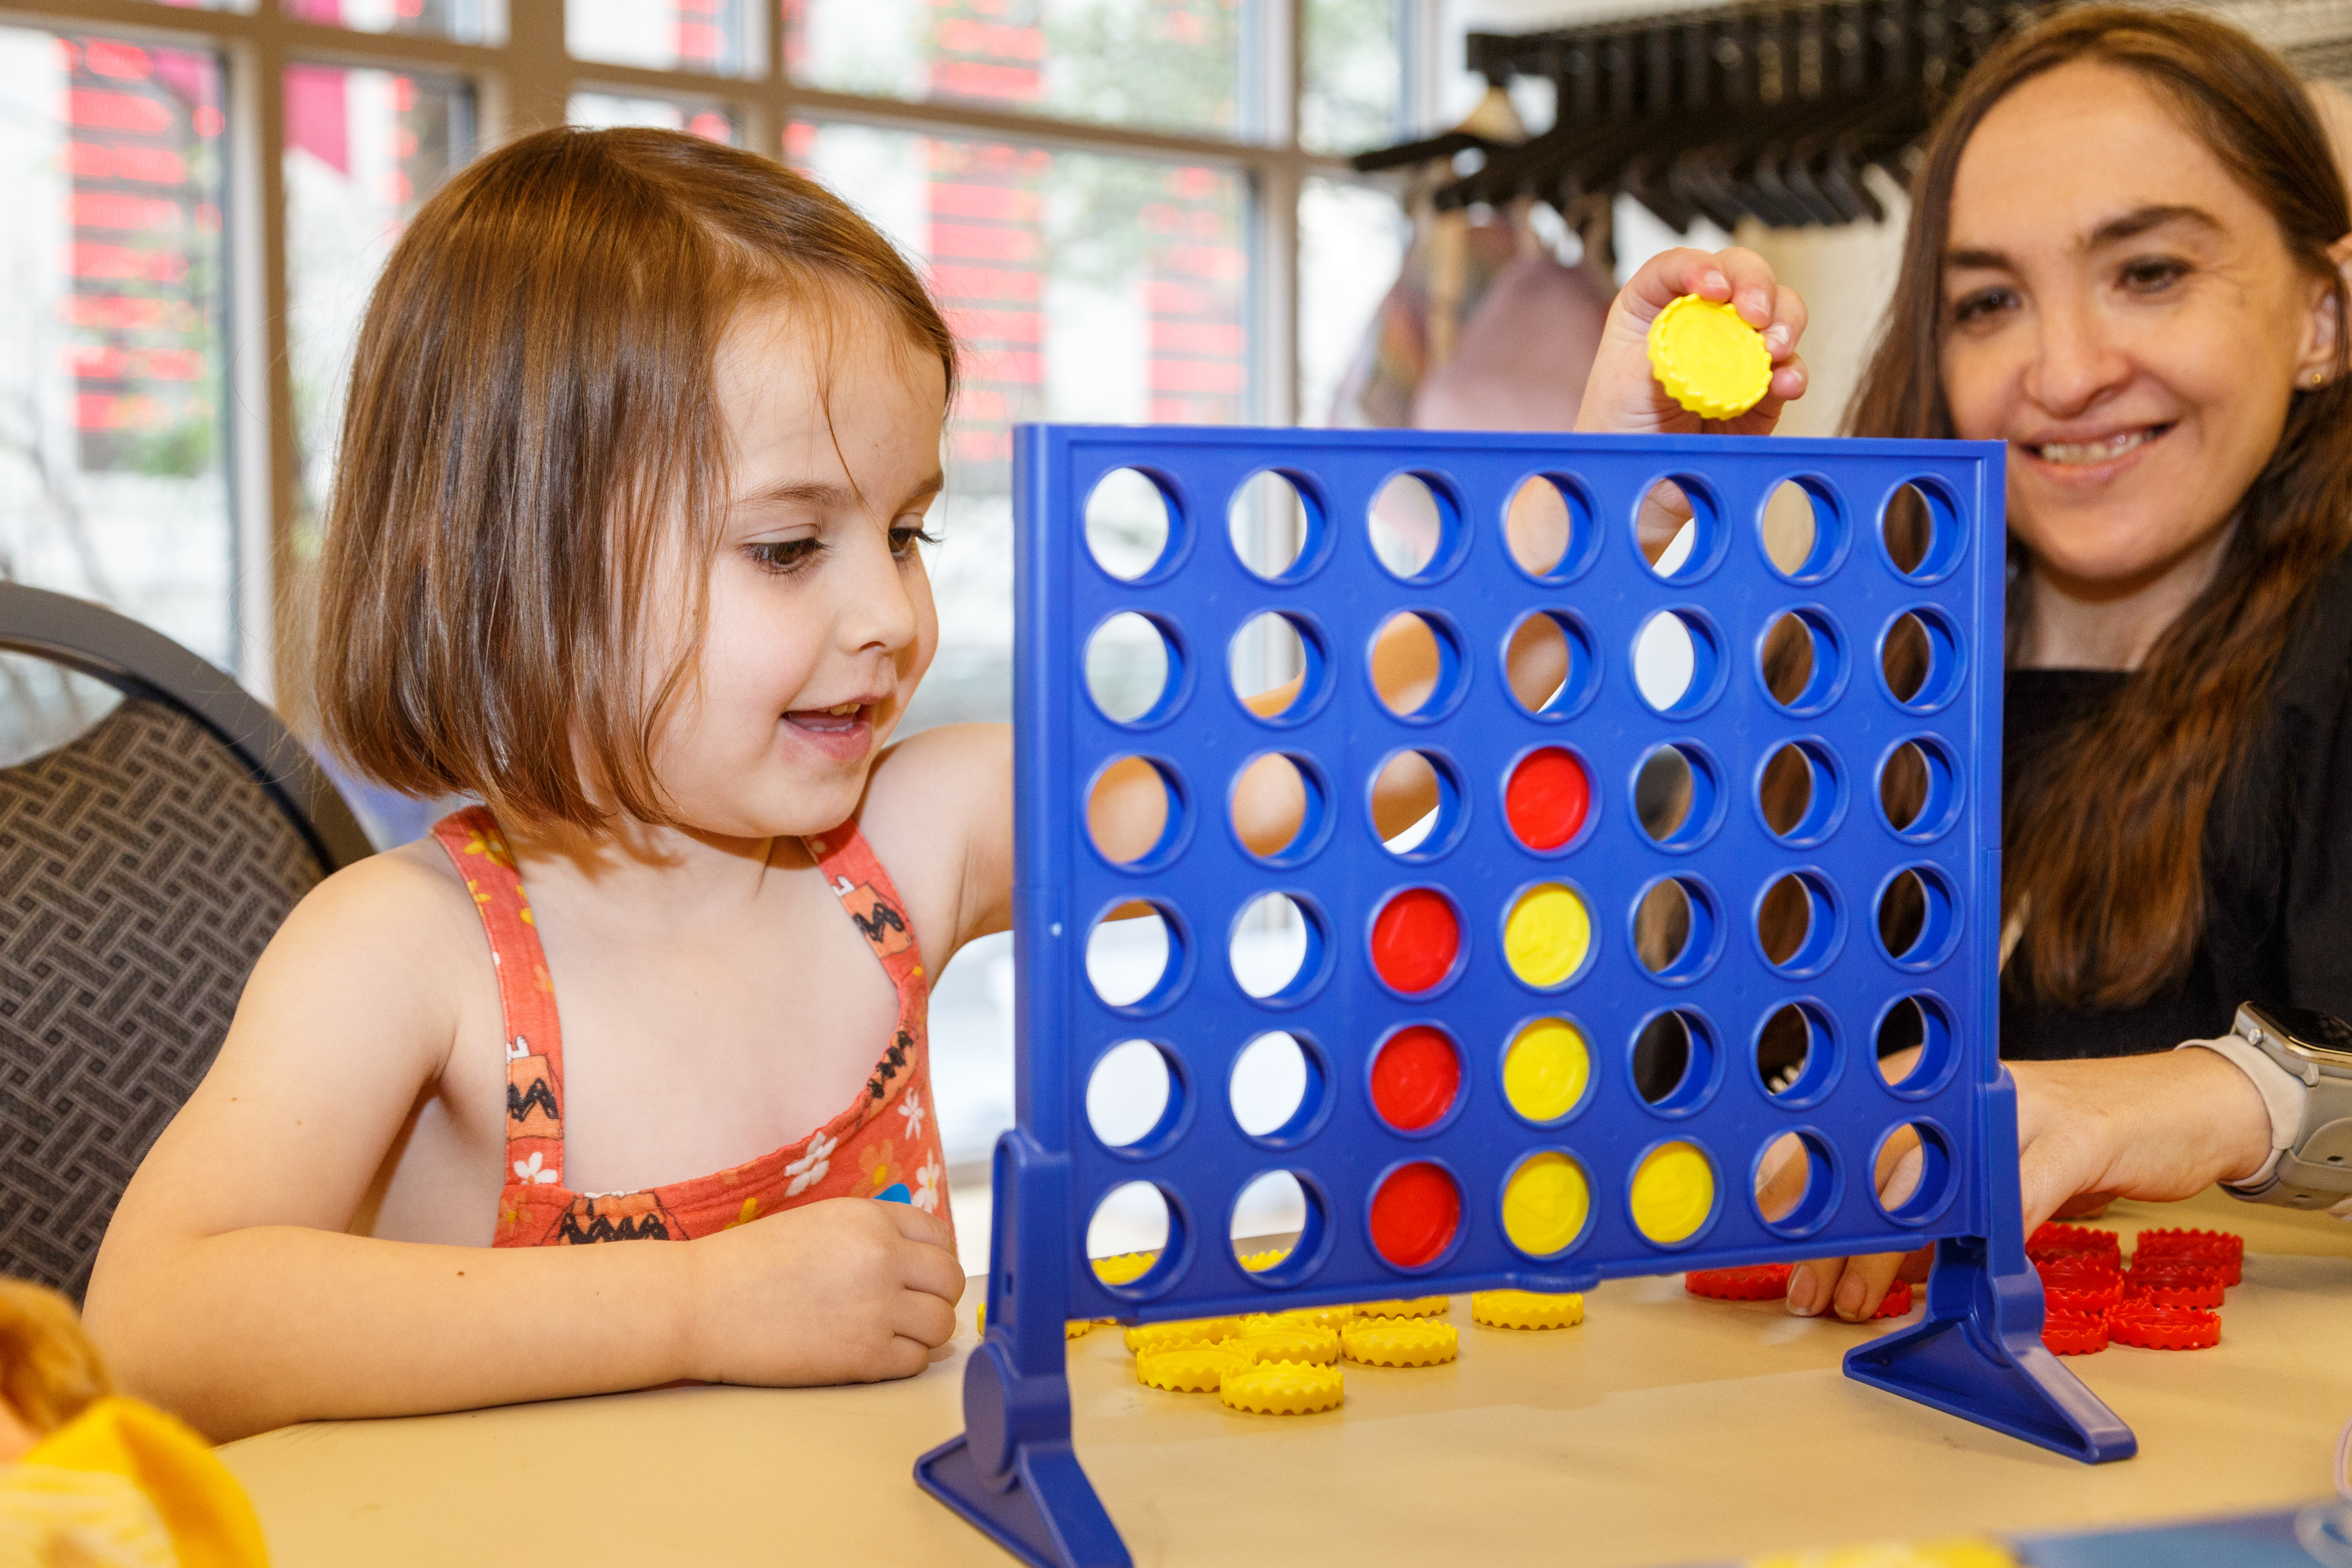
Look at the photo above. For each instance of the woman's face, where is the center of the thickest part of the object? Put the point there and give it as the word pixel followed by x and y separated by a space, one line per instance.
pixel 2124 314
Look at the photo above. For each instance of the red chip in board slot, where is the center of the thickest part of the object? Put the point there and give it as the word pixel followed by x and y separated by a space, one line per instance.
pixel 2074 1333
pixel 2155 1327
pixel 1763 1282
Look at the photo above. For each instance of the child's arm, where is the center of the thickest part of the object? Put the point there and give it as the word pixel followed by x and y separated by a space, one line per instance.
pixel 228 1290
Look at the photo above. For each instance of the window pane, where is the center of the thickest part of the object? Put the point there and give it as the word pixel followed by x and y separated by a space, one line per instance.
pixel 113 474
pixel 1084 287
pixel 603 108
pixel 1350 245
pixel 660 35
pixel 363 149
pixel 1354 92
pixel 458 19
pixel 1081 59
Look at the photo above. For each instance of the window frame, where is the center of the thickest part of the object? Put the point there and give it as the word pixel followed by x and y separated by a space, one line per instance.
pixel 523 77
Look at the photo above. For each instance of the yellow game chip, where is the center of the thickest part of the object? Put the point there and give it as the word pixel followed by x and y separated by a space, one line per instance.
pixel 1419 1307
pixel 1674 1192
pixel 1547 936
pixel 1259 1262
pixel 1526 1309
pixel 1283 1388
pixel 1302 1343
pixel 1708 359
pixel 1188 1369
pixel 1297 1317
pixel 1126 1268
pixel 1400 1341
pixel 1190 1332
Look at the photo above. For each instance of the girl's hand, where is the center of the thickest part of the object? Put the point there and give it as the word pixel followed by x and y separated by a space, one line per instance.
pixel 1622 396
pixel 847 1291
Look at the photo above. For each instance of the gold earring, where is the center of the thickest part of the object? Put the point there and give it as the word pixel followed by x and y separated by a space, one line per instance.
pixel 2319 378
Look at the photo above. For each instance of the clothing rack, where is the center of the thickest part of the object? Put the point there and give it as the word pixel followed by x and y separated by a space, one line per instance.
pixel 1764 109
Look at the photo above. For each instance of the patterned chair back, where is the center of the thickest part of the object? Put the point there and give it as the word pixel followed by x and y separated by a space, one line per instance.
pixel 144 864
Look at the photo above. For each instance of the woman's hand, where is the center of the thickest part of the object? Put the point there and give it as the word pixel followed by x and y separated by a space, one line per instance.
pixel 1622 398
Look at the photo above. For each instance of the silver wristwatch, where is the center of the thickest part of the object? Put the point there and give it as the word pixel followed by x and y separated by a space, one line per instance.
pixel 2314 1171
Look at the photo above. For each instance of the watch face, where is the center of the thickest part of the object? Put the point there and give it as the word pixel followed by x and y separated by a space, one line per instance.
pixel 2324 1031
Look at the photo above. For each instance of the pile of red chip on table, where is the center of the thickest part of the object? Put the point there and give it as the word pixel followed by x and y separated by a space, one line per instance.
pixel 1770 1282
pixel 2169 1297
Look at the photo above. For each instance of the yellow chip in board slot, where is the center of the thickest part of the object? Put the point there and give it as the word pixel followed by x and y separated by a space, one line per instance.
pixel 1709 359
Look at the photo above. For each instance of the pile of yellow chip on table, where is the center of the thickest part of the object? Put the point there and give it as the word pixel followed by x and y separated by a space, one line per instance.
pixel 1287 1364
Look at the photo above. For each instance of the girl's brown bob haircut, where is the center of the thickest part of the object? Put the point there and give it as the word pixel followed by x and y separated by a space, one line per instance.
pixel 531 413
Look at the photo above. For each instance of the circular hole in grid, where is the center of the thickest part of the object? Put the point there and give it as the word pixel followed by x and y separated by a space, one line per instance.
pixel 1677 661
pixel 1921 529
pixel 1416 665
pixel 1275 947
pixel 1128 523
pixel 1548 798
pixel 1919 789
pixel 1411 520
pixel 1801 792
pixel 1674 1060
pixel 1415 1213
pixel 1276 663
pixel 1913 1172
pixel 1135 956
pixel 1416 939
pixel 1799 923
pixel 1270 525
pixel 1679 528
pixel 1289 792
pixel 1416 804
pixel 1416 1078
pixel 1796 1184
pixel 1276 1209
pixel 1549 664
pixel 1671 1194
pixel 1675 795
pixel 1276 1088
pixel 1547 1069
pixel 1921 660
pixel 1548 935
pixel 1913 1042
pixel 1133 670
pixel 1918 917
pixel 1801 657
pixel 1545 1202
pixel 1135 812
pixel 1804 529
pixel 1796 1053
pixel 1132 1217
pixel 1547 527
pixel 1677 929
pixel 1134 1096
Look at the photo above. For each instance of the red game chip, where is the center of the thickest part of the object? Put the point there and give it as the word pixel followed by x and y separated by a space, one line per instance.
pixel 2220 1248
pixel 2085 1298
pixel 2154 1328
pixel 1764 1282
pixel 2048 1238
pixel 2078 1271
pixel 2174 1282
pixel 1897 1300
pixel 2074 1333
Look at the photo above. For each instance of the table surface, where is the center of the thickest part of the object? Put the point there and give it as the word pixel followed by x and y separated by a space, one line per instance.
pixel 1663 1430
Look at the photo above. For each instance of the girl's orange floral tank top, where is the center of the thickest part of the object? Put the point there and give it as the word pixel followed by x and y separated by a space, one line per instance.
pixel 884 1145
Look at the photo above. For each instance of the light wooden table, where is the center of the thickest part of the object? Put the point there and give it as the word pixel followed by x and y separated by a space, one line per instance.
pixel 1664 1430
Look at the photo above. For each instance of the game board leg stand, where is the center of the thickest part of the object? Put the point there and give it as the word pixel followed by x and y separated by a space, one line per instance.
pixel 1012 1471
pixel 1978 1353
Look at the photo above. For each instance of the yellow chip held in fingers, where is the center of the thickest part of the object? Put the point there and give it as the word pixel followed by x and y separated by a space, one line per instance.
pixel 1709 359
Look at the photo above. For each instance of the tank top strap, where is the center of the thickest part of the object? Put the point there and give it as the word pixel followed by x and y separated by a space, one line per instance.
pixel 873 904
pixel 534 1040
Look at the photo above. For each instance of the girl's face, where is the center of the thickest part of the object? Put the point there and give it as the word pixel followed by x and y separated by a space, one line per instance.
pixel 820 614
pixel 2127 316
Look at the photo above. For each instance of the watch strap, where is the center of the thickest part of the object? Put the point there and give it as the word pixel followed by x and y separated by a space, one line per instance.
pixel 2284 1096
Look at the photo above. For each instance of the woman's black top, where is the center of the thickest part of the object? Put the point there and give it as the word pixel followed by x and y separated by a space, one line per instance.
pixel 2278 850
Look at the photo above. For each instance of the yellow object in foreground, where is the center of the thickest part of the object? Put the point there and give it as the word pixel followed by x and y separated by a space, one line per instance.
pixel 1419 1307
pixel 1969 1552
pixel 1188 1369
pixel 1674 1192
pixel 1708 359
pixel 125 1478
pixel 1189 1331
pixel 1309 1316
pixel 1547 936
pixel 1400 1341
pixel 1300 1341
pixel 1545 1203
pixel 1526 1309
pixel 1283 1388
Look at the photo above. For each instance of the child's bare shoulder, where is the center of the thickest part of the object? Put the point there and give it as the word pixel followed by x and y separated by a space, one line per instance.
pixel 396 924
pixel 944 779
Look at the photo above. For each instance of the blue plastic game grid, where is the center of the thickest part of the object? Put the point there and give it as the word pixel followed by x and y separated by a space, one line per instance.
pixel 1978 1353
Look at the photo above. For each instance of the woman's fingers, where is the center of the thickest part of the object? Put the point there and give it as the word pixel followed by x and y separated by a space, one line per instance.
pixel 1851 1287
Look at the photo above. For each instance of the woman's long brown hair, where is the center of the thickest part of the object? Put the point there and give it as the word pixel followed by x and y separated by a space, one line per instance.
pixel 2104 853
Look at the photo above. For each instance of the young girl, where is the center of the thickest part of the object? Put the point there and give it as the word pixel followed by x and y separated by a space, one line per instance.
pixel 641 436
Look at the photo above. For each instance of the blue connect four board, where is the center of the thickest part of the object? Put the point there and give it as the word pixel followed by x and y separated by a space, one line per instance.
pixel 1976 1355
